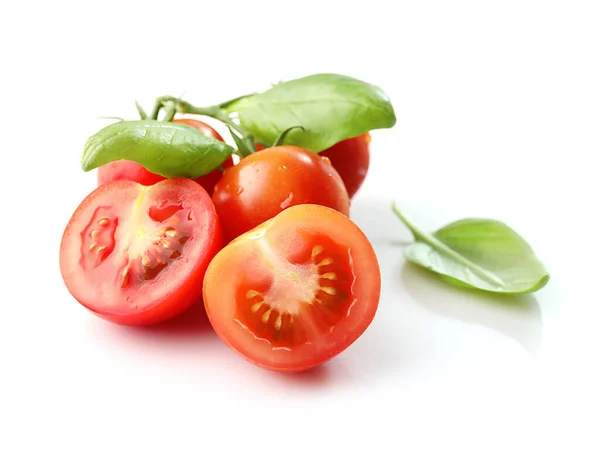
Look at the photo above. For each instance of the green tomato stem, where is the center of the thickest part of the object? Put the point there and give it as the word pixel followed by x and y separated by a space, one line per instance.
pixel 226 105
pixel 110 117
pixel 141 111
pixel 217 112
pixel 170 110
pixel 158 104
pixel 283 135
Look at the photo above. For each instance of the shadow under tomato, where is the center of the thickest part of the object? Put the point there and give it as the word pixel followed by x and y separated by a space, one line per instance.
pixel 314 378
pixel 191 323
pixel 517 317
pixel 187 330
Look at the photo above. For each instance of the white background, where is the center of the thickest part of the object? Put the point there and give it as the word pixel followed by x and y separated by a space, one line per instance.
pixel 498 107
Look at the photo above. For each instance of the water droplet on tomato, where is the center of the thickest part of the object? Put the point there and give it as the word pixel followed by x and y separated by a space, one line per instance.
pixel 287 202
pixel 239 190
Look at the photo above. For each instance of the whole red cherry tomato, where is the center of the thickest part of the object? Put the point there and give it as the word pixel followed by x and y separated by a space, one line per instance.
pixel 295 291
pixel 133 171
pixel 350 158
pixel 266 182
pixel 137 255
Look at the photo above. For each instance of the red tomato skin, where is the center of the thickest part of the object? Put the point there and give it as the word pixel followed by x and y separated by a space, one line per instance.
pixel 351 159
pixel 132 171
pixel 188 293
pixel 125 170
pixel 266 182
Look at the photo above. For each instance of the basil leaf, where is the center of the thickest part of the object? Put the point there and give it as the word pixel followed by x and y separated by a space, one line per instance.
pixel 168 149
pixel 330 107
pixel 478 253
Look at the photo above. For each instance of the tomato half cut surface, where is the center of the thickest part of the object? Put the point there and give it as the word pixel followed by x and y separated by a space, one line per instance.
pixel 295 291
pixel 136 254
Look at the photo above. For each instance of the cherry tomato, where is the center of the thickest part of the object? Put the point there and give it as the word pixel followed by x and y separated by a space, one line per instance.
pixel 296 290
pixel 137 255
pixel 133 171
pixel 266 182
pixel 350 158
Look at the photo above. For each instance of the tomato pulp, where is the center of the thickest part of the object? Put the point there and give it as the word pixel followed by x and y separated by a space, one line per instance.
pixel 137 255
pixel 295 291
pixel 266 182
pixel 130 170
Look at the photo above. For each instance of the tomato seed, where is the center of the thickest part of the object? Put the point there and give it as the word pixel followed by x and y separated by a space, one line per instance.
pixel 256 306
pixel 266 316
pixel 329 290
pixel 125 274
pixel 326 261
pixel 251 294
pixel 316 251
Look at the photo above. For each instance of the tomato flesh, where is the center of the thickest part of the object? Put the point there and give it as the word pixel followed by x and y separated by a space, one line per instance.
pixel 137 255
pixel 295 291
pixel 132 171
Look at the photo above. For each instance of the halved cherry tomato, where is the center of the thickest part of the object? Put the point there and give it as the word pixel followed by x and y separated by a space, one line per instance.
pixel 350 158
pixel 133 171
pixel 137 255
pixel 295 291
pixel 266 182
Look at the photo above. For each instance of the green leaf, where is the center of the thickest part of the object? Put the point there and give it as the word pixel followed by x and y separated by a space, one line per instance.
pixel 330 107
pixel 478 253
pixel 168 149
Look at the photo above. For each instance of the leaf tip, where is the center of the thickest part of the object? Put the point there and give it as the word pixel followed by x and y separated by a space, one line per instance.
pixel 85 162
pixel 541 283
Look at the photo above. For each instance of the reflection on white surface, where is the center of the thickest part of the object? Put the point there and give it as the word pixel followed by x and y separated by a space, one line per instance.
pixel 376 219
pixel 426 328
pixel 517 317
